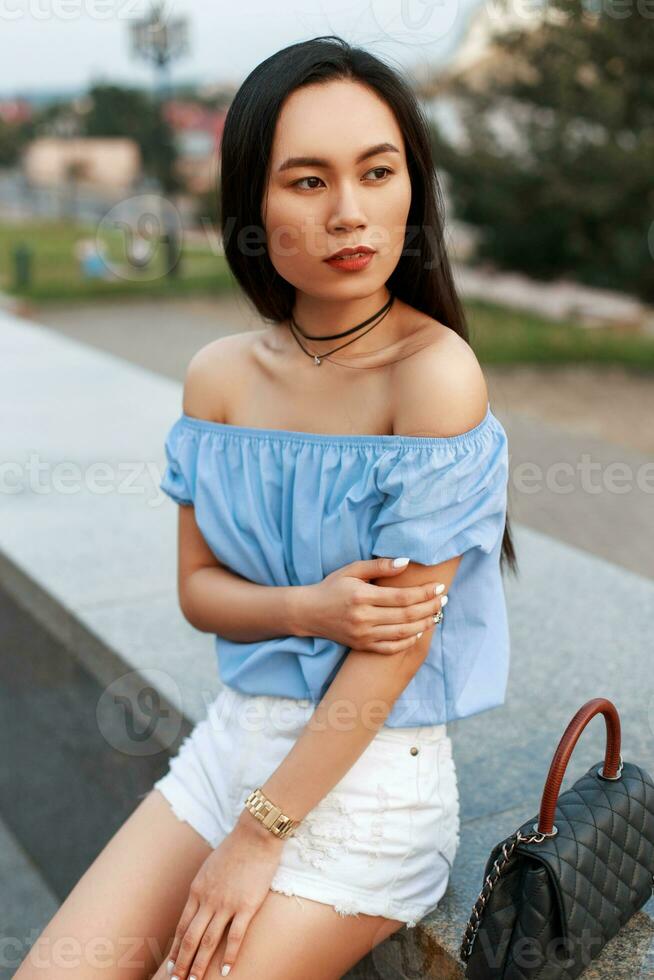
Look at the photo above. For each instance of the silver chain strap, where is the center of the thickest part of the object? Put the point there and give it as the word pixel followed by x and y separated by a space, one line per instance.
pixel 472 927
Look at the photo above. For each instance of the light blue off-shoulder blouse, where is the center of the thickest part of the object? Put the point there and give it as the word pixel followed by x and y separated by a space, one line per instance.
pixel 283 507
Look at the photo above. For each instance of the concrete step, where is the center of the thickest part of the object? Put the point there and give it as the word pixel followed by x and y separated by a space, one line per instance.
pixel 26 903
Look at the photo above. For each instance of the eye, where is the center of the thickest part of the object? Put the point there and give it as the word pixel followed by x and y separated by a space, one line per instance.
pixel 296 183
pixel 386 170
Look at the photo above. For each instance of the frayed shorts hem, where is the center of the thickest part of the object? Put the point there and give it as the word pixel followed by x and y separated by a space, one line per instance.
pixel 346 901
pixel 186 808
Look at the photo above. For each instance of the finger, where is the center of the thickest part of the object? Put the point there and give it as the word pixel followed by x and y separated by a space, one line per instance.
pixel 185 919
pixel 235 937
pixel 385 616
pixel 374 567
pixel 390 595
pixel 190 942
pixel 393 646
pixel 401 631
pixel 384 638
pixel 208 946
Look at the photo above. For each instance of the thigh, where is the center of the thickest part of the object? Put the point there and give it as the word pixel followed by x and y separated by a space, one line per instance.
pixel 119 920
pixel 292 938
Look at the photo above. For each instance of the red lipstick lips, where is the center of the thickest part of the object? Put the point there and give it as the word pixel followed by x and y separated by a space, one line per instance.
pixel 352 258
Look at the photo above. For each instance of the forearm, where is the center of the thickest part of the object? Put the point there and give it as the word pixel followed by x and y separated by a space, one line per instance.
pixel 349 716
pixel 217 600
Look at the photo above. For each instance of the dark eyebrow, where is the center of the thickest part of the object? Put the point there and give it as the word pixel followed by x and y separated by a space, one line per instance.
pixel 319 162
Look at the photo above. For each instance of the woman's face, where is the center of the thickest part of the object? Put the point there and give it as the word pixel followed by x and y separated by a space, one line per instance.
pixel 313 208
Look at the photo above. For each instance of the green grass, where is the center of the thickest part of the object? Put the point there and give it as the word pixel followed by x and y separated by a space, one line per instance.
pixel 499 335
pixel 56 277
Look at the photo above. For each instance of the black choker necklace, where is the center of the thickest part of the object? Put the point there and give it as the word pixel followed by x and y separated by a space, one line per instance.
pixel 381 313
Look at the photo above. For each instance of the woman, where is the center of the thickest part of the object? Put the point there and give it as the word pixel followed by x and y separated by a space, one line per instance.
pixel 293 464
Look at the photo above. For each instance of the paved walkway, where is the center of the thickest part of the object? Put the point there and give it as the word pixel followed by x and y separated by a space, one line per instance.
pixel 581 439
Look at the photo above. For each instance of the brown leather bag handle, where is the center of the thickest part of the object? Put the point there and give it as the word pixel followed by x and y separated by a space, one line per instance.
pixel 612 758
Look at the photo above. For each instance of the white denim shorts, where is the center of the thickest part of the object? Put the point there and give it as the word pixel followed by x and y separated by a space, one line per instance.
pixel 380 842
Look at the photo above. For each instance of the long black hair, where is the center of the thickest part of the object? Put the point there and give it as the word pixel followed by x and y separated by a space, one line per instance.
pixel 422 277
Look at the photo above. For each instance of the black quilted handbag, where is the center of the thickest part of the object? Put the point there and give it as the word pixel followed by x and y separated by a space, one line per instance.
pixel 556 891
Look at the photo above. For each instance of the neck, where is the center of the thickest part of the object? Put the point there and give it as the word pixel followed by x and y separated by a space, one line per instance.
pixel 317 316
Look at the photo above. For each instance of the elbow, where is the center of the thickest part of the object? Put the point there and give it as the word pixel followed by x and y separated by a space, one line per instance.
pixel 183 598
pixel 189 614
pixel 195 620
pixel 188 604
pixel 190 618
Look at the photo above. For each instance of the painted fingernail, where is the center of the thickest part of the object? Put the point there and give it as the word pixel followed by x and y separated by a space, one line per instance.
pixel 193 977
pixel 439 588
pixel 397 563
pixel 443 601
pixel 170 966
pixel 225 970
pixel 418 635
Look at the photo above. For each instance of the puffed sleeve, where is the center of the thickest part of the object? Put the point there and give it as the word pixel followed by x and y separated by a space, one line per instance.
pixel 443 496
pixel 179 476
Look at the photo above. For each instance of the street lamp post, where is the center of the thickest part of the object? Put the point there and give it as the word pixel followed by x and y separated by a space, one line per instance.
pixel 160 39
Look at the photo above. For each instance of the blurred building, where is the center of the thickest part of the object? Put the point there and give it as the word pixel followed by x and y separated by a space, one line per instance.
pixel 477 56
pixel 15 111
pixel 198 132
pixel 476 60
pixel 103 163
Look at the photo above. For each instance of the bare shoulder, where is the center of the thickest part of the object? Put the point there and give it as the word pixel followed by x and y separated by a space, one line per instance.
pixel 210 374
pixel 440 390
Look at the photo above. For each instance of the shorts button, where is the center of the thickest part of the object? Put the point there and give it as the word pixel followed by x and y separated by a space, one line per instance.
pixel 414 750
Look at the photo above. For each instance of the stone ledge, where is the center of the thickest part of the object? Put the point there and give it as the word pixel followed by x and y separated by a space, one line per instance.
pixel 89 583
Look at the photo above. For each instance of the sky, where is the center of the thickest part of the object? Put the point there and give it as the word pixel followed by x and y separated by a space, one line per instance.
pixel 64 45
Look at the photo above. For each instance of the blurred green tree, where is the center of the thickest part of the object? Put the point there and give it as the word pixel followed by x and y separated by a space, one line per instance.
pixel 9 146
pixel 117 111
pixel 554 161
pixel 207 206
pixel 14 136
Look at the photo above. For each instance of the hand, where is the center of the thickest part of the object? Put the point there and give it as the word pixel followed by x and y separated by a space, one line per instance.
pixel 362 616
pixel 231 884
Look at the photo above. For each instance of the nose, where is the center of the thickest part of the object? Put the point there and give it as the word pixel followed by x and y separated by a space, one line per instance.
pixel 347 212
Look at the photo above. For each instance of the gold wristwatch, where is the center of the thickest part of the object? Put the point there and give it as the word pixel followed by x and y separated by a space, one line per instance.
pixel 270 815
